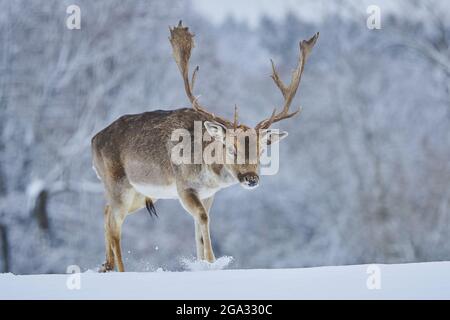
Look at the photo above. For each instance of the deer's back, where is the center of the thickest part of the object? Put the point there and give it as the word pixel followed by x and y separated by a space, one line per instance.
pixel 137 146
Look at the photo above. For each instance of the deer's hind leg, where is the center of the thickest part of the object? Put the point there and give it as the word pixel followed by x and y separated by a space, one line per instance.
pixel 122 200
pixel 114 217
pixel 109 262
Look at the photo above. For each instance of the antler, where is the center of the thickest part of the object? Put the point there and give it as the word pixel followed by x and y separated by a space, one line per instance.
pixel 182 43
pixel 289 92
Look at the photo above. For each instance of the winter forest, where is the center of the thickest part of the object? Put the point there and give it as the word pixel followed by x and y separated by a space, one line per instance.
pixel 364 174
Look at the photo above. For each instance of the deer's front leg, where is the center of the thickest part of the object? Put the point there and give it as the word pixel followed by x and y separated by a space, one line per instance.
pixel 199 241
pixel 191 202
pixel 207 203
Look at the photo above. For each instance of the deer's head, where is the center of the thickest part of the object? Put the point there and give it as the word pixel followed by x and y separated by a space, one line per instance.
pixel 242 145
pixel 242 149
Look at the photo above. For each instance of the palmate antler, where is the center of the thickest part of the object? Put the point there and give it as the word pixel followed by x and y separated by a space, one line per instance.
pixel 182 43
pixel 289 92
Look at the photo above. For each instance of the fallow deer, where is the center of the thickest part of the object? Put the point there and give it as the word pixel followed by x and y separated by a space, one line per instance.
pixel 132 156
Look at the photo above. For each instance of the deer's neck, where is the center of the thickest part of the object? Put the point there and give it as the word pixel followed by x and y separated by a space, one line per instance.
pixel 223 177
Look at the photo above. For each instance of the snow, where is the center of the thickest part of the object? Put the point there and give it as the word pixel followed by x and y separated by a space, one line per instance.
pixel 193 264
pixel 33 190
pixel 399 281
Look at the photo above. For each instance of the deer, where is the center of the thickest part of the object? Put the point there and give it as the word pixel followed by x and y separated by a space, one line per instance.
pixel 132 156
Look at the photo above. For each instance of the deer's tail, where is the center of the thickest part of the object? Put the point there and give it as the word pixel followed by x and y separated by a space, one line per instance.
pixel 150 207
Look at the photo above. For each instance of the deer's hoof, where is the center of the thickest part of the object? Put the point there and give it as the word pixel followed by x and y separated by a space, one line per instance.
pixel 106 267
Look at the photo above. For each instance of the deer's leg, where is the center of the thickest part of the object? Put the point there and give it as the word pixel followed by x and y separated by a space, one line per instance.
pixel 195 207
pixel 121 200
pixel 125 203
pixel 109 262
pixel 113 226
pixel 199 241
pixel 115 232
pixel 207 203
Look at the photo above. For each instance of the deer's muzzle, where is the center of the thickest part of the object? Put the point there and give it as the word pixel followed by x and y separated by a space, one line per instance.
pixel 249 180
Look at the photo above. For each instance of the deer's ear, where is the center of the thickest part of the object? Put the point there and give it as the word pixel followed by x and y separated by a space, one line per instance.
pixel 273 136
pixel 215 130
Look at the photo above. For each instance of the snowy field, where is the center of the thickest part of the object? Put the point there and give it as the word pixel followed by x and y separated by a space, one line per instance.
pixel 401 281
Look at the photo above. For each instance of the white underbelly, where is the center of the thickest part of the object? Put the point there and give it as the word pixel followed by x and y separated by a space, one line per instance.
pixel 204 193
pixel 156 191
pixel 169 192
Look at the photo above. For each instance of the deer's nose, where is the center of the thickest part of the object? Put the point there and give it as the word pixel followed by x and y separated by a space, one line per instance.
pixel 250 179
pixel 253 183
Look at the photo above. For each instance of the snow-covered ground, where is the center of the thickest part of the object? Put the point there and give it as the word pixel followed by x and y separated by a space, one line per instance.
pixel 401 281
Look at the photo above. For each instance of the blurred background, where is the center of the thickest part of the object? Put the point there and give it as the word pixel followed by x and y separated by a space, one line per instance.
pixel 365 171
